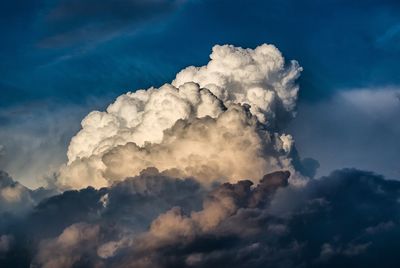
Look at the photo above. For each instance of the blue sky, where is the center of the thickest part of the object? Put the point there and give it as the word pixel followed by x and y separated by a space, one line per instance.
pixel 61 59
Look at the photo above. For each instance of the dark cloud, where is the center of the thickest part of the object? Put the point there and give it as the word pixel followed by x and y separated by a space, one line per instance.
pixel 129 205
pixel 349 218
pixel 133 203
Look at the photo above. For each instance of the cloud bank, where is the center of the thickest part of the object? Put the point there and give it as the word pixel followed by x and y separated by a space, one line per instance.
pixel 349 218
pixel 199 173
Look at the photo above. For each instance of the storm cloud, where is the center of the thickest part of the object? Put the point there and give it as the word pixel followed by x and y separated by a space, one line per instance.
pixel 347 218
pixel 200 173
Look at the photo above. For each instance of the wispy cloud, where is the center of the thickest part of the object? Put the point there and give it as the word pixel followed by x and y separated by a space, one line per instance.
pixel 81 22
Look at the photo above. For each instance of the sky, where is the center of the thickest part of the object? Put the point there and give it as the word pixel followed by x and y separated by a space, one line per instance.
pixel 279 149
pixel 62 59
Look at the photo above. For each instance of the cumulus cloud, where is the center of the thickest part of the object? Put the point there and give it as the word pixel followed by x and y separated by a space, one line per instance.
pixel 258 77
pixel 100 243
pixel 198 173
pixel 58 226
pixel 216 122
pixel 237 227
pixel 241 224
pixel 68 248
pixel 15 198
pixel 13 195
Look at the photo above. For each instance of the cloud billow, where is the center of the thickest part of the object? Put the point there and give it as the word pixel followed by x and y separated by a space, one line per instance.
pixel 199 173
pixel 347 218
pixel 215 123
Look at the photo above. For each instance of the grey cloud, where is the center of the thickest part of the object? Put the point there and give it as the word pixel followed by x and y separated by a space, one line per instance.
pixel 336 130
pixel 15 198
pixel 176 239
pixel 349 218
pixel 38 134
pixel 5 243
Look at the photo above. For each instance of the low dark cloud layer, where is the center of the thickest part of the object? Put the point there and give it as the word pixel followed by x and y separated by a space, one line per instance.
pixel 349 218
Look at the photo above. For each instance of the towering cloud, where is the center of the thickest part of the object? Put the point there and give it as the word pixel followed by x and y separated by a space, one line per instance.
pixel 199 173
pixel 217 122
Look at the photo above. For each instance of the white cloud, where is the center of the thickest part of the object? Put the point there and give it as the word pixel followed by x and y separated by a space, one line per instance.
pixel 194 126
